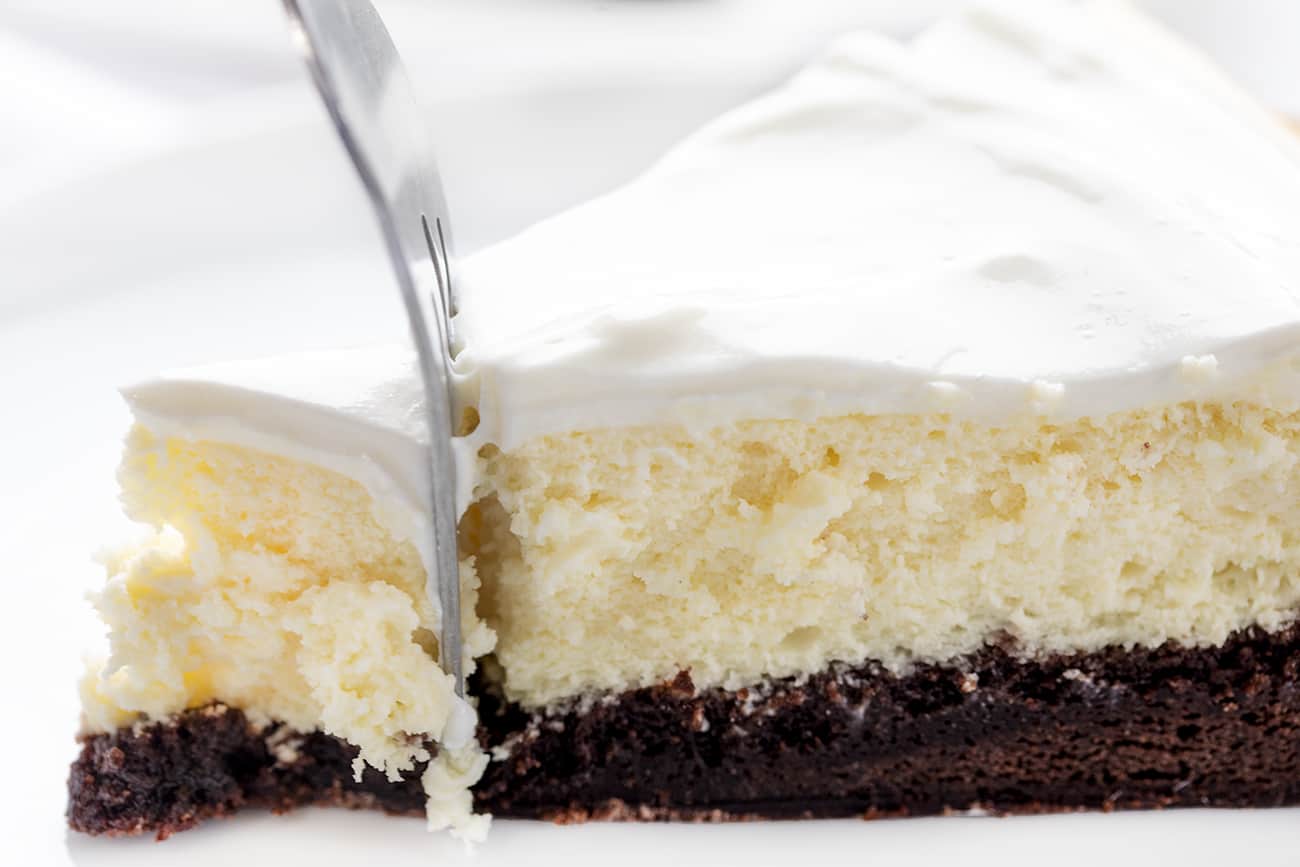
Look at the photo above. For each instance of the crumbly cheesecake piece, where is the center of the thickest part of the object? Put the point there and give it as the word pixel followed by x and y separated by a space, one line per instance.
pixel 892 445
pixel 290 584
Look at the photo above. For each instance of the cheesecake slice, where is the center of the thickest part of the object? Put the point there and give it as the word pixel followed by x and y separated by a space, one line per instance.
pixel 921 437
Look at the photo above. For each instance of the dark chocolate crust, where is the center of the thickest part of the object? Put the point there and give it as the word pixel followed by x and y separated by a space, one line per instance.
pixel 212 761
pixel 1115 729
pixel 1166 727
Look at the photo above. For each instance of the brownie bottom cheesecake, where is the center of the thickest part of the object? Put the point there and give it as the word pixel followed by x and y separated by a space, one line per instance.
pixel 950 462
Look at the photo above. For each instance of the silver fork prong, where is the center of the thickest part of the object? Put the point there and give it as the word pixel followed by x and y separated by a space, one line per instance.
pixel 360 77
pixel 436 240
pixel 451 291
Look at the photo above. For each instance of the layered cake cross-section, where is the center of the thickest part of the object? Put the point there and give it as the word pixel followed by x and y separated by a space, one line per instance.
pixel 923 436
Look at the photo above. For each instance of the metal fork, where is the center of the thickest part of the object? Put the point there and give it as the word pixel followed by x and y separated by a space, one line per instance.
pixel 360 77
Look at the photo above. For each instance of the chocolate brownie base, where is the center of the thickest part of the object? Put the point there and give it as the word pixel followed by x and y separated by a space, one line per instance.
pixel 212 761
pixel 1116 729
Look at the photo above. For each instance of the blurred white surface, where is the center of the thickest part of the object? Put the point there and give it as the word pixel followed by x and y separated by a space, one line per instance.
pixel 534 104
pixel 170 194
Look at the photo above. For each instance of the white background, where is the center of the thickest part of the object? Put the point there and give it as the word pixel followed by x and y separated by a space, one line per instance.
pixel 170 194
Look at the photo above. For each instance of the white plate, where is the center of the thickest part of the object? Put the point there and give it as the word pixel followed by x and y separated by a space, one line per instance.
pixel 253 241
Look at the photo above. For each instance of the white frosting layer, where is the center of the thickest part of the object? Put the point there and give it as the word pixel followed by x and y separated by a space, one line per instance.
pixel 1042 207
pixel 1036 206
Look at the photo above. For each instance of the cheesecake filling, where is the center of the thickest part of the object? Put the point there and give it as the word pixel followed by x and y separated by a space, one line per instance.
pixel 614 559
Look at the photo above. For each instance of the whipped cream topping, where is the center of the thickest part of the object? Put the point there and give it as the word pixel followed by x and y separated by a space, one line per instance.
pixel 1047 208
pixel 1035 207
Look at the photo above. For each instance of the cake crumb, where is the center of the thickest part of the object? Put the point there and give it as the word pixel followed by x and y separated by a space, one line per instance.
pixel 946 394
pixel 1044 397
pixel 1199 369
pixel 284 744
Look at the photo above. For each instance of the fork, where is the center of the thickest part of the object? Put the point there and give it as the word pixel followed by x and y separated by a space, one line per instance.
pixel 360 77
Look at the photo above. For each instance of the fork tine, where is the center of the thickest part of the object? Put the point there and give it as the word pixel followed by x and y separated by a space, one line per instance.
pixel 360 77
